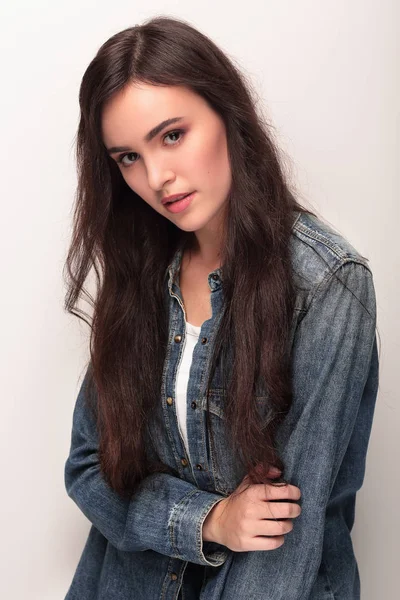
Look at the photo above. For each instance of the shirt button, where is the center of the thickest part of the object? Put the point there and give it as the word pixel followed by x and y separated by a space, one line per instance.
pixel 204 341
pixel 199 467
pixel 174 576
pixel 184 462
pixel 178 338
pixel 193 405
pixel 169 401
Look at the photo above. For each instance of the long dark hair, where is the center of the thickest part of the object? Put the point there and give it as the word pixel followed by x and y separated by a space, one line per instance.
pixel 129 246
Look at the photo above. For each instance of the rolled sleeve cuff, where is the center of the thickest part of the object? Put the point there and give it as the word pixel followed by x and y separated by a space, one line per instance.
pixel 186 530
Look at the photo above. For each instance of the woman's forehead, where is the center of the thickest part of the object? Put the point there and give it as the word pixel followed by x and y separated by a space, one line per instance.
pixel 141 107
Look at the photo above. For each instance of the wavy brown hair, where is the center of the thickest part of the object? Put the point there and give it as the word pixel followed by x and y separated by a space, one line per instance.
pixel 129 245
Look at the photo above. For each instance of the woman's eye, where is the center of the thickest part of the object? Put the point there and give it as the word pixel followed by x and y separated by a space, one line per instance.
pixel 121 159
pixel 176 132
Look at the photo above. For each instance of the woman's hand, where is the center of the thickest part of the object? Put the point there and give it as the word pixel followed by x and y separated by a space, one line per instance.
pixel 241 521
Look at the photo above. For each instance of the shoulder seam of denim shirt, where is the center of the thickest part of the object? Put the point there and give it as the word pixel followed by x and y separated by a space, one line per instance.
pixel 318 252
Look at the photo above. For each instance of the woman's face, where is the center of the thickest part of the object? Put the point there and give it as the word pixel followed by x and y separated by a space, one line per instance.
pixel 188 155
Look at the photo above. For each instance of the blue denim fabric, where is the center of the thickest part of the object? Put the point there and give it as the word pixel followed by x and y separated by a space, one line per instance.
pixel 151 547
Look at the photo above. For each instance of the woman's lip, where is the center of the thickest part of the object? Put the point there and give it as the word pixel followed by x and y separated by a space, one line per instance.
pixel 173 198
pixel 180 205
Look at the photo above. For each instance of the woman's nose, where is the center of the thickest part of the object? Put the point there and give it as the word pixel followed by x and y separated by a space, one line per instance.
pixel 158 175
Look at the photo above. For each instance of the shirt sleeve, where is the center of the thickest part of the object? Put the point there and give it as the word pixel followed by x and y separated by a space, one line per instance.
pixel 335 380
pixel 166 513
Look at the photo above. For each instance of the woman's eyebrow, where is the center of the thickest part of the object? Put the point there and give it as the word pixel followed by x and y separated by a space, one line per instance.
pixel 149 136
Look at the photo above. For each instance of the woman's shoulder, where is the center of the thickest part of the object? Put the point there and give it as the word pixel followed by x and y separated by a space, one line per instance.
pixel 318 250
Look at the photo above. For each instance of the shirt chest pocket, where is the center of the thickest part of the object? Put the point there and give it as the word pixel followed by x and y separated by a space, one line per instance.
pixel 227 469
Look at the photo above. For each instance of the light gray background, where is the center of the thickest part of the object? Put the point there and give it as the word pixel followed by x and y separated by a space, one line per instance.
pixel 328 72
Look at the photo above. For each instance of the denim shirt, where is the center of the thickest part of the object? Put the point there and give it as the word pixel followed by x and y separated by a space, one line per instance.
pixel 150 547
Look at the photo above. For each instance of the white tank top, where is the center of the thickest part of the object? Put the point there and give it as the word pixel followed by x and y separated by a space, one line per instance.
pixel 182 379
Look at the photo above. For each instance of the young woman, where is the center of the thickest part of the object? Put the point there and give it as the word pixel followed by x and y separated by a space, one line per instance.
pixel 220 433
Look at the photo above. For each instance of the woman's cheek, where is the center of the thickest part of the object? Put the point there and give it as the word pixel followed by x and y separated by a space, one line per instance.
pixel 137 183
